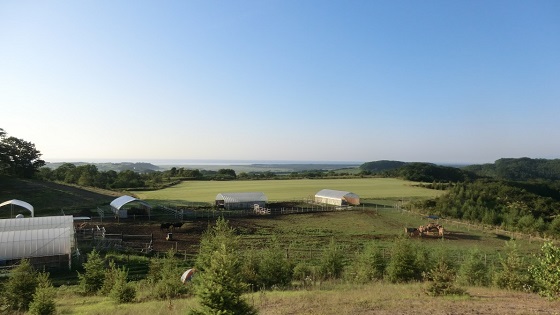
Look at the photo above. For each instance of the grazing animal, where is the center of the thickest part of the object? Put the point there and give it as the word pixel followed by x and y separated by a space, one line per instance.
pixel 178 224
pixel 165 226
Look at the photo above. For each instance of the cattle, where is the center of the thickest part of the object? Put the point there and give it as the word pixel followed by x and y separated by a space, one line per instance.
pixel 165 226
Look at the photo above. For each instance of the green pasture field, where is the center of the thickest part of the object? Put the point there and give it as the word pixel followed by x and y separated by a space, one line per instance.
pixel 288 190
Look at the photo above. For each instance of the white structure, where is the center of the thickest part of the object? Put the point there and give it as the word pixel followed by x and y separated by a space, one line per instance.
pixel 337 197
pixel 18 203
pixel 43 240
pixel 117 204
pixel 246 200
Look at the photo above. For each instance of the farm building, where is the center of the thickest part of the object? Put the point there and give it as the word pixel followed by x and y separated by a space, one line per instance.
pixel 119 209
pixel 337 197
pixel 15 202
pixel 246 200
pixel 45 241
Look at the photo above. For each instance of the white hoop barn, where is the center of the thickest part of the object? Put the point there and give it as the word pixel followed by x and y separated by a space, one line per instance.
pixel 337 197
pixel 245 200
pixel 45 241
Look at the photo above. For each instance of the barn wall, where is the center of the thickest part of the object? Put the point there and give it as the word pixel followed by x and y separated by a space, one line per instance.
pixel 329 201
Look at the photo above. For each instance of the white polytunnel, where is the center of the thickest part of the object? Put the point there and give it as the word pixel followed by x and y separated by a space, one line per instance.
pixel 37 238
pixel 118 203
pixel 20 203
pixel 244 200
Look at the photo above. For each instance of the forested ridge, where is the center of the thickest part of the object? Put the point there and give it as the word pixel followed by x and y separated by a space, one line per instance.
pixel 519 194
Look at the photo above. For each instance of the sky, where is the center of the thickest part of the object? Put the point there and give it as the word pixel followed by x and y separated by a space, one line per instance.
pixel 300 80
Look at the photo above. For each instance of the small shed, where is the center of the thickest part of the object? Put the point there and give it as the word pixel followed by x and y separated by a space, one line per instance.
pixel 337 197
pixel 43 240
pixel 118 204
pixel 237 201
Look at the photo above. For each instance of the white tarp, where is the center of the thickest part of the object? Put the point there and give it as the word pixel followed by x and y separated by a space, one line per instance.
pixel 19 203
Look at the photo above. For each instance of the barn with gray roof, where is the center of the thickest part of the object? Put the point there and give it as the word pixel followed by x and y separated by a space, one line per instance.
pixel 337 198
pixel 243 200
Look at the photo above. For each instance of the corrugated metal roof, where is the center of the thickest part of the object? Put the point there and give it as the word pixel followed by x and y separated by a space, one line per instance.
pixel 339 194
pixel 241 197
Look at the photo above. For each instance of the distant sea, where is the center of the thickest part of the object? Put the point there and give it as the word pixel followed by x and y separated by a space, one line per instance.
pixel 206 162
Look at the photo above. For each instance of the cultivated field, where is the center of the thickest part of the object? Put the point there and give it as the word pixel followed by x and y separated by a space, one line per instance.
pixel 287 190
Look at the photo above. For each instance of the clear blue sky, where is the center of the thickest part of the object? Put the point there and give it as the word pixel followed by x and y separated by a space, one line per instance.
pixel 438 81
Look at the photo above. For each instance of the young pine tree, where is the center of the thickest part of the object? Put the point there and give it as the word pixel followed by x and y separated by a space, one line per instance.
pixel 92 279
pixel 514 272
pixel 332 262
pixel 219 284
pixel 19 290
pixel 43 298
pixel 474 271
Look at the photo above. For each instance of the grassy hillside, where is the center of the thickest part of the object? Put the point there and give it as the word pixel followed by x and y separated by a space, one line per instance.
pixel 49 198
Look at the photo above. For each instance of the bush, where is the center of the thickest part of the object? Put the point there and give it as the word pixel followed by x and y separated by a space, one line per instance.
pixel 332 262
pixel 43 298
pixel 219 285
pixel 274 269
pixel 109 279
pixel 19 289
pixel 513 273
pixel 473 271
pixel 169 284
pixel 442 281
pixel 369 265
pixel 122 291
pixel 92 279
pixel 546 271
pixel 403 265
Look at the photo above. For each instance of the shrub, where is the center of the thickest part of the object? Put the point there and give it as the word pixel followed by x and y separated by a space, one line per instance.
pixel 219 285
pixel 169 284
pixel 513 273
pixel 473 271
pixel 109 279
pixel 403 266
pixel 546 271
pixel 43 298
pixel 442 281
pixel 332 262
pixel 369 265
pixel 92 279
pixel 19 289
pixel 122 291
pixel 274 269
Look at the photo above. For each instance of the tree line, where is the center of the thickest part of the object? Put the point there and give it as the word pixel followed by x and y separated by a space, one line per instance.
pixel 18 157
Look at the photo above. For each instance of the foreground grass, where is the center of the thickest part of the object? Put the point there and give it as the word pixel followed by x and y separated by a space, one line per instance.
pixel 336 299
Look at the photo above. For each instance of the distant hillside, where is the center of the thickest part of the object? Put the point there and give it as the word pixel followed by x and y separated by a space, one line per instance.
pixel 381 166
pixel 51 198
pixel 428 172
pixel 519 169
pixel 418 171
pixel 140 167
